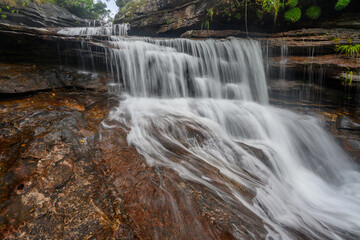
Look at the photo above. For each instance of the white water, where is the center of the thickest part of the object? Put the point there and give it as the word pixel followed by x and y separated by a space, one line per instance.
pixel 209 99
pixel 116 29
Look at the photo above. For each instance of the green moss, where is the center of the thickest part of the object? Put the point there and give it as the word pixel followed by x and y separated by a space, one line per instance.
pixel 293 14
pixel 132 6
pixel 313 12
pixel 292 3
pixel 341 4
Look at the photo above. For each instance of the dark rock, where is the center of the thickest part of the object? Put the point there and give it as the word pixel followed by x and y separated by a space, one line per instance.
pixel 174 17
pixel 160 16
pixel 45 46
pixel 40 15
pixel 222 34
pixel 24 78
pixel 310 53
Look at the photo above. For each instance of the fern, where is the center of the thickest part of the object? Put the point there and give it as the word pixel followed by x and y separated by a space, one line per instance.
pixel 349 50
pixel 205 25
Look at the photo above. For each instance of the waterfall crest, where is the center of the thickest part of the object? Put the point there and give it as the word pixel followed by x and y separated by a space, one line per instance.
pixel 113 30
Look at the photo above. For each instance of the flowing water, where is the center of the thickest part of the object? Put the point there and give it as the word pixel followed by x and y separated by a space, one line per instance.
pixel 208 100
pixel 116 30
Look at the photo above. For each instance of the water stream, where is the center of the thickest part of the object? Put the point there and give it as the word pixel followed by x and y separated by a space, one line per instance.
pixel 208 100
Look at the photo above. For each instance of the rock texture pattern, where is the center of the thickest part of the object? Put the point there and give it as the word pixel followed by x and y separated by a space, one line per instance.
pixel 40 15
pixel 160 16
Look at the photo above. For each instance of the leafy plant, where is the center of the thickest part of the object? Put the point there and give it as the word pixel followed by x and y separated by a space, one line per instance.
pixel 272 6
pixel 349 50
pixel 292 3
pixel 205 25
pixel 293 14
pixel 238 16
pixel 210 12
pixel 3 16
pixel 313 12
pixel 341 4
pixel 349 76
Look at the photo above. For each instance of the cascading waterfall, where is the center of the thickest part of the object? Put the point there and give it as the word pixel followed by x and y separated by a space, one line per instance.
pixel 113 30
pixel 208 99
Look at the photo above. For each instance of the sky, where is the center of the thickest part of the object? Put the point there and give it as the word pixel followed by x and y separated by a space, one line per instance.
pixel 112 7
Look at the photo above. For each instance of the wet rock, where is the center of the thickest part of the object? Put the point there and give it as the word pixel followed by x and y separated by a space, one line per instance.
pixel 37 46
pixel 157 202
pixel 50 186
pixel 174 17
pixel 24 78
pixel 40 15
pixel 310 55
pixel 221 34
pixel 160 16
pixel 64 176
pixel 345 123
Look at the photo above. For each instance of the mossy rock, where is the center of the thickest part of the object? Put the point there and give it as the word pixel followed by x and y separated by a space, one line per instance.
pixel 293 14
pixel 313 12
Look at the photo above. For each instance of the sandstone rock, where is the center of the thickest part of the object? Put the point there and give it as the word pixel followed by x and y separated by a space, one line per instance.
pixel 160 16
pixel 40 15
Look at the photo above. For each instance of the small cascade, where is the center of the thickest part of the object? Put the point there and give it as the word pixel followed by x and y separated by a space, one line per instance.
pixel 187 68
pixel 200 108
pixel 113 30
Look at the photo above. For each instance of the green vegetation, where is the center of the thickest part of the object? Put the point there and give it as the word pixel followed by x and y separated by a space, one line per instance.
pixel 273 7
pixel 292 10
pixel 293 14
pixel 128 8
pixel 85 8
pixel 349 50
pixel 313 12
pixel 82 8
pixel 13 3
pixel 205 25
pixel 341 4
pixel 292 3
pixel 349 75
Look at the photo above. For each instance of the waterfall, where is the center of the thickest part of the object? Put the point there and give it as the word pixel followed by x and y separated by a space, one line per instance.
pixel 186 68
pixel 116 29
pixel 201 107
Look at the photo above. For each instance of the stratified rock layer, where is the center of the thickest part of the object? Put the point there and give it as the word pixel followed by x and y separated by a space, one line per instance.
pixel 39 15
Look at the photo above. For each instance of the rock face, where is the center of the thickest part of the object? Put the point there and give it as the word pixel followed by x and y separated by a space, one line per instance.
pixel 160 16
pixel 174 17
pixel 25 78
pixel 310 54
pixel 40 15
pixel 39 59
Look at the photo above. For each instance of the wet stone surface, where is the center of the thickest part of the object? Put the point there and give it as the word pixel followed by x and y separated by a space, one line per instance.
pixel 65 176
pixel 50 187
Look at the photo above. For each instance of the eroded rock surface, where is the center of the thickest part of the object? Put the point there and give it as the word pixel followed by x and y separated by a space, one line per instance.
pixel 160 16
pixel 39 15
pixel 50 186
